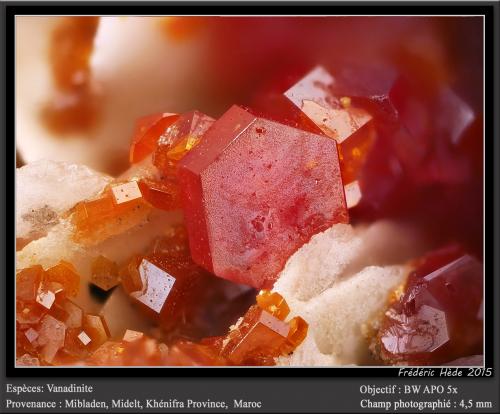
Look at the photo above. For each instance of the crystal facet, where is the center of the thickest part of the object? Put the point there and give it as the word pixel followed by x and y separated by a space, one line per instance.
pixel 254 191
pixel 436 319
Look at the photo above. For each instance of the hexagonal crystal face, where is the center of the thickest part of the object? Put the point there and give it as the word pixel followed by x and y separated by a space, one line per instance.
pixel 254 191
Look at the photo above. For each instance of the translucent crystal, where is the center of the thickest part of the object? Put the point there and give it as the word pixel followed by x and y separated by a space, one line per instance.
pixel 178 139
pixel 436 320
pixel 147 131
pixel 104 273
pixel 254 191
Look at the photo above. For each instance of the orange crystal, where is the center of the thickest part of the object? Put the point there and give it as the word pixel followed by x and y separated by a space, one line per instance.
pixel 261 334
pixel 51 337
pixel 184 353
pixel 273 303
pixel 119 208
pixel 65 274
pixel 104 273
pixel 180 138
pixel 162 194
pixel 96 329
pixel 147 131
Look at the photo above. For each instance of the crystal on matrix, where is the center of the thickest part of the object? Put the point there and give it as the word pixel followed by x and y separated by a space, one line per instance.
pixel 254 191
pixel 147 131
pixel 436 319
pixel 261 334
pixel 119 208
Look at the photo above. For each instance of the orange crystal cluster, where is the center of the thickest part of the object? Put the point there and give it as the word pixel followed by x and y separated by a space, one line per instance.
pixel 54 330
pixel 262 334
pixel 259 337
pixel 50 327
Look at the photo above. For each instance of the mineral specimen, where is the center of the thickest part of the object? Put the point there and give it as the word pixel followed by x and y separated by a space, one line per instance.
pixel 254 191
pixel 438 318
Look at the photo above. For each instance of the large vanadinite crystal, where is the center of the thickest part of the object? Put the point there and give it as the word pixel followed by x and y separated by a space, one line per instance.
pixel 147 131
pixel 254 191
pixel 178 139
pixel 439 317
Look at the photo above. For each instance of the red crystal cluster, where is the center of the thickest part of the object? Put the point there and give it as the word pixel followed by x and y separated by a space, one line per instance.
pixel 254 186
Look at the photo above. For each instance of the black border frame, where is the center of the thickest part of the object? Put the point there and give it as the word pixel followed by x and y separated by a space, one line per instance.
pixel 255 8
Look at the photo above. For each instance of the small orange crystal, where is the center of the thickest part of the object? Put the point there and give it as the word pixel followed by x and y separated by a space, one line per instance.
pixel 119 208
pixel 65 274
pixel 148 130
pixel 104 273
pixel 96 329
pixel 162 194
pixel 180 138
pixel 273 303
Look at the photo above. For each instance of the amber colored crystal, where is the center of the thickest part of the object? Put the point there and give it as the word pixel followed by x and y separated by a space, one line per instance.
pixel 130 277
pixel 296 335
pixel 157 285
pixel 76 344
pixel 170 286
pixel 119 208
pixel 148 130
pixel 130 336
pixel 29 312
pixel 438 318
pixel 254 191
pixel 259 336
pixel 184 353
pixel 273 303
pixel 51 337
pixel 74 318
pixel 162 194
pixel 96 329
pixel 178 139
pixel 27 282
pixel 104 273
pixel 65 274
pixel 141 352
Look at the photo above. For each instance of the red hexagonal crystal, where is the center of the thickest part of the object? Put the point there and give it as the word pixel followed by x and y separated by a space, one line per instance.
pixel 438 318
pixel 254 191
